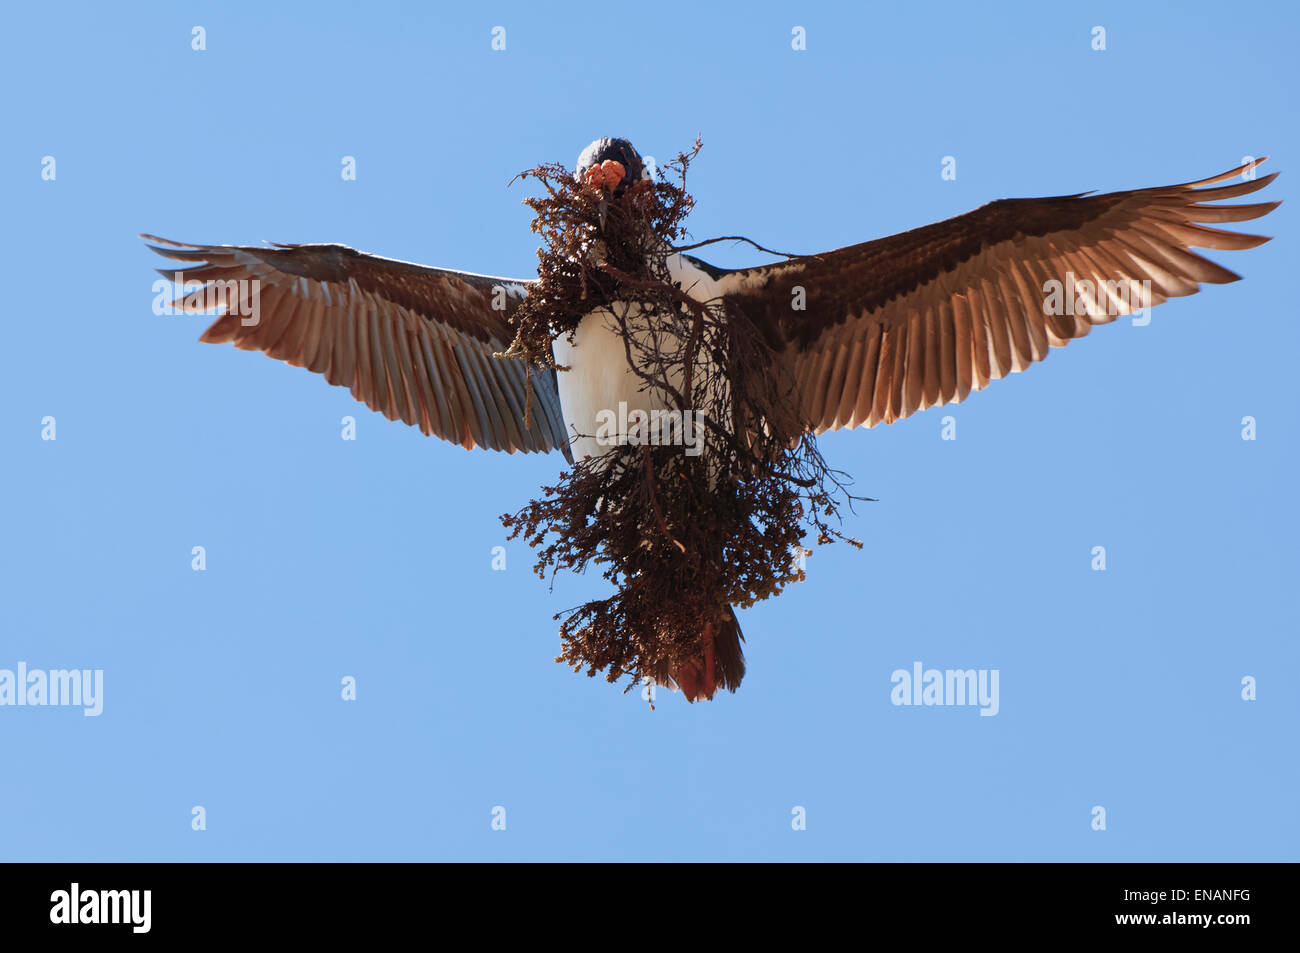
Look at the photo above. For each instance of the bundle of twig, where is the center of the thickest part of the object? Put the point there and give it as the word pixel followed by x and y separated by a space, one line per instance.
pixel 681 536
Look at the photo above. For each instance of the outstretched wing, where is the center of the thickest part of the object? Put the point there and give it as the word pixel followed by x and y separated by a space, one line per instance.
pixel 922 318
pixel 413 343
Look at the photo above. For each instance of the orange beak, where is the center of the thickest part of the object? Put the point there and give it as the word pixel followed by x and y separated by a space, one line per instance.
pixel 606 175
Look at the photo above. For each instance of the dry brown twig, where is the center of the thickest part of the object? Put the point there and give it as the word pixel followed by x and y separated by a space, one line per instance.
pixel 680 537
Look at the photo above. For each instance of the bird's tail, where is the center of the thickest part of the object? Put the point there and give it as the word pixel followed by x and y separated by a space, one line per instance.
pixel 721 661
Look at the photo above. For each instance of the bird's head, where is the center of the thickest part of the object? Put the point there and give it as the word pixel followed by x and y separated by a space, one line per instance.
pixel 611 164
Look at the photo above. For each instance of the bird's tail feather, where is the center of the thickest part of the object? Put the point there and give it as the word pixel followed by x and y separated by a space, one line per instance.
pixel 728 656
pixel 721 663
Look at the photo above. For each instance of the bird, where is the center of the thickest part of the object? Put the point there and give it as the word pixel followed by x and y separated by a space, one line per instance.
pixel 883 329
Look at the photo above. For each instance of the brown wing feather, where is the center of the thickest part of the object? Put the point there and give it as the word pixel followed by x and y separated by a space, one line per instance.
pixel 413 343
pixel 923 318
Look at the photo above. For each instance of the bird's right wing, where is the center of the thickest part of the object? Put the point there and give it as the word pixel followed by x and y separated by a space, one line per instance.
pixel 922 318
pixel 412 342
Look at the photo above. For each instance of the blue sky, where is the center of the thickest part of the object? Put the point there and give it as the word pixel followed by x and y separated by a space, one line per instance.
pixel 372 558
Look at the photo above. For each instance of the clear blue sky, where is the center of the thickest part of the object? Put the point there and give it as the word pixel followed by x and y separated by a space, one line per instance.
pixel 372 558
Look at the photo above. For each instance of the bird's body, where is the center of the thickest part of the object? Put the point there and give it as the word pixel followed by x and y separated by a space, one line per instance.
pixel 859 336
pixel 597 379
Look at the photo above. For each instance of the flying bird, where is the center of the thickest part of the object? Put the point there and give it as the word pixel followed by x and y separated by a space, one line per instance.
pixel 886 328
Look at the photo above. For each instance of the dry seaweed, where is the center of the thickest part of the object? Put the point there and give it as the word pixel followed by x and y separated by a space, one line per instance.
pixel 681 537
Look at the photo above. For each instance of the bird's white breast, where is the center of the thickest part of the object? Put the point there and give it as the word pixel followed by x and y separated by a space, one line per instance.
pixel 599 377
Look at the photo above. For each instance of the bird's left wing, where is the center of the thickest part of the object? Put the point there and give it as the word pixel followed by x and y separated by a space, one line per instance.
pixel 412 342
pixel 874 332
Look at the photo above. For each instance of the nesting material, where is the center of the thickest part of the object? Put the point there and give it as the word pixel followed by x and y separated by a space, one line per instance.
pixel 680 537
